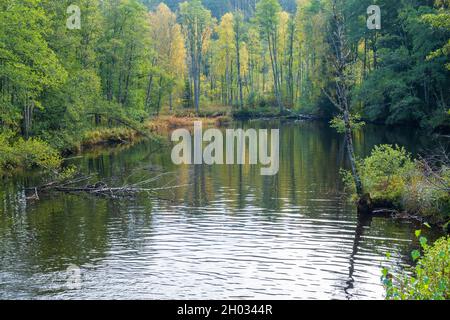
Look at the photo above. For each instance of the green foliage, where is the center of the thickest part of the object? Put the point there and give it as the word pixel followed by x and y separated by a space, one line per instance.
pixel 27 154
pixel 267 15
pixel 53 79
pixel 131 63
pixel 410 66
pixel 28 65
pixel 393 178
pixel 197 24
pixel 385 173
pixel 440 21
pixel 187 102
pixel 431 276
pixel 355 122
pixel 219 7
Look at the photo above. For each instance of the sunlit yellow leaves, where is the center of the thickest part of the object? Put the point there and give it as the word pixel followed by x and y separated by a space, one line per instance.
pixel 168 41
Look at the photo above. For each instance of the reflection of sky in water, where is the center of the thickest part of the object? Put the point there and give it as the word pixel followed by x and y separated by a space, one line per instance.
pixel 231 233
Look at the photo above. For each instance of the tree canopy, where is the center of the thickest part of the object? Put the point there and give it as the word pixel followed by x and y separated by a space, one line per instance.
pixel 133 59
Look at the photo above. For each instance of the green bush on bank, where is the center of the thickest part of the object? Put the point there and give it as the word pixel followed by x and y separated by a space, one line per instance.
pixel 384 174
pixel 393 178
pixel 31 153
pixel 431 276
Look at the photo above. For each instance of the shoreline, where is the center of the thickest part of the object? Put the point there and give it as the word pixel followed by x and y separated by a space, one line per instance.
pixel 157 127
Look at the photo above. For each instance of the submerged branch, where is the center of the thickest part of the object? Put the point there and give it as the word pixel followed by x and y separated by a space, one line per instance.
pixel 101 188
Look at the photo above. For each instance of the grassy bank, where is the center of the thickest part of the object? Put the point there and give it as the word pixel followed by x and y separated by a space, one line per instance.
pixel 157 126
pixel 163 124
pixel 184 118
pixel 394 180
pixel 108 136
pixel 19 153
pixel 181 118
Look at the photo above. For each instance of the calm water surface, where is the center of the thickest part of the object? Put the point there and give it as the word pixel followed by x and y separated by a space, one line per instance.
pixel 231 233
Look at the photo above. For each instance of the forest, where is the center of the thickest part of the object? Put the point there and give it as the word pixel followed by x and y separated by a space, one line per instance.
pixel 76 74
pixel 133 60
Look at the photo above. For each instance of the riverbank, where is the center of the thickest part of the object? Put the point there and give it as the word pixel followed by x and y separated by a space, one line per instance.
pixel 271 113
pixel 19 153
pixel 163 124
pixel 155 127
pixel 16 152
pixel 394 182
pixel 166 123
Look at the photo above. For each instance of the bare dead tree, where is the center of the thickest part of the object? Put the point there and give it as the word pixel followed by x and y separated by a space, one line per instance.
pixel 237 26
pixel 340 59
pixel 435 167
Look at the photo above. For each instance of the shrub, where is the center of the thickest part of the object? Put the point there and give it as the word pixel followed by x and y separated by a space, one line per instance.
pixel 15 153
pixel 431 276
pixel 6 151
pixel 393 178
pixel 428 194
pixel 384 174
pixel 37 153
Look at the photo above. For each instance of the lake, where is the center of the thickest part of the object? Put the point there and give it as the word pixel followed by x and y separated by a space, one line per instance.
pixel 222 231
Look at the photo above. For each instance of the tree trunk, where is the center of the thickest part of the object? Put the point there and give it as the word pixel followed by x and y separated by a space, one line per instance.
pixel 291 64
pixel 97 119
pixel 149 90
pixel 160 94
pixel 238 63
pixel 341 61
pixel 27 118
pixel 351 154
pixel 273 59
pixel 128 76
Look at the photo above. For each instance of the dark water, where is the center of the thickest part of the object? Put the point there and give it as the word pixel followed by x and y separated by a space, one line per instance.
pixel 231 233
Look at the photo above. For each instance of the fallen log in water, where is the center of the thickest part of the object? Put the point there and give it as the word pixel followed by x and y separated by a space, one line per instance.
pixel 101 188
pixel 115 191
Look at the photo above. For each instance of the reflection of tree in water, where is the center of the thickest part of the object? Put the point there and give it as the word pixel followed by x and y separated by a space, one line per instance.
pixel 363 221
pixel 373 135
pixel 381 226
pixel 291 155
pixel 196 193
pixel 59 230
pixel 270 193
pixel 240 183
pixel 271 184
pixel 241 190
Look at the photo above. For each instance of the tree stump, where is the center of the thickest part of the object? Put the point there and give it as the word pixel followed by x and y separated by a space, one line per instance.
pixel 365 204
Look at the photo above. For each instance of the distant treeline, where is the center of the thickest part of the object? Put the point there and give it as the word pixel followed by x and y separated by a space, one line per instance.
pixel 219 7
